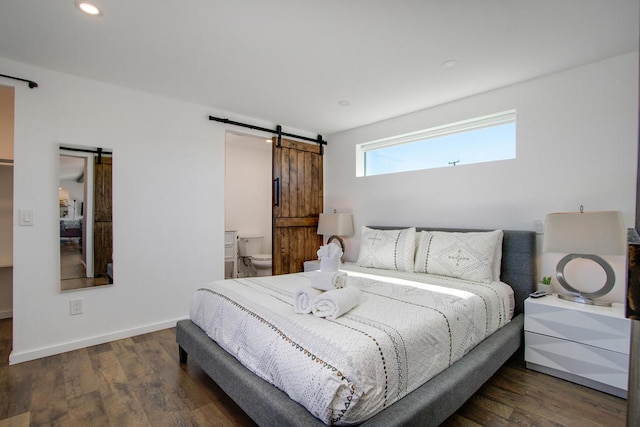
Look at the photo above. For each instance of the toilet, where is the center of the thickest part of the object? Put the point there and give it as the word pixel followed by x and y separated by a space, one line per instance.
pixel 249 247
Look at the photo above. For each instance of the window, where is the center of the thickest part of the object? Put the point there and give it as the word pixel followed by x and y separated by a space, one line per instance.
pixel 482 139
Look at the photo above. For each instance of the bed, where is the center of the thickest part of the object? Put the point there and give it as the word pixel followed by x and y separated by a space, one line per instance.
pixel 70 228
pixel 428 404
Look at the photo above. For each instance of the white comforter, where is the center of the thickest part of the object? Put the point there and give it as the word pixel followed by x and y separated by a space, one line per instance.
pixel 346 370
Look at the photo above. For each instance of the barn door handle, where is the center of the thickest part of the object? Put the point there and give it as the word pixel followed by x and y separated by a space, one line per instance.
pixel 276 183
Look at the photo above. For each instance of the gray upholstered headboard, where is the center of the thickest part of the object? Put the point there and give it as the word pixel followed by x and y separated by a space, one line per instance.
pixel 518 260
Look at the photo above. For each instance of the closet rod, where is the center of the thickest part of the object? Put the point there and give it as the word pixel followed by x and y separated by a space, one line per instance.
pixel 277 131
pixel 7 161
pixel 31 83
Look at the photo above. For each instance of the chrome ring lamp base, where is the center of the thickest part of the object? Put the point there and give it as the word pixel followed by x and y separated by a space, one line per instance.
pixel 586 297
pixel 339 239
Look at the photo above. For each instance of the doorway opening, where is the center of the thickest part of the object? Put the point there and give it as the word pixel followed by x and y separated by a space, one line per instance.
pixel 7 96
pixel 248 195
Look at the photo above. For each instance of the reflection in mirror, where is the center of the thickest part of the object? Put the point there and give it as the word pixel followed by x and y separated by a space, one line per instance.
pixel 86 232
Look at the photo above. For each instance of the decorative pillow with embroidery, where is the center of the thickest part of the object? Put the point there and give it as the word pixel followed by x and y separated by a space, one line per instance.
pixel 387 249
pixel 474 256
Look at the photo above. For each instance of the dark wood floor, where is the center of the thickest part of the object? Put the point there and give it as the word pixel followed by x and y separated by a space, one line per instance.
pixel 72 272
pixel 139 382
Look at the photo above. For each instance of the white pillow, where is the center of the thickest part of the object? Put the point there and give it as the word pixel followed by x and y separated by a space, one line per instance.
pixel 474 256
pixel 387 249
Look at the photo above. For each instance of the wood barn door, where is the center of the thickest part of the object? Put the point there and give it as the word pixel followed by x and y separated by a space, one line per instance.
pixel 297 204
pixel 102 220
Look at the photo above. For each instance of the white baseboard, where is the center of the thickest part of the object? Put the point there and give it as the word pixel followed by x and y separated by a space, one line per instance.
pixel 25 356
pixel 5 314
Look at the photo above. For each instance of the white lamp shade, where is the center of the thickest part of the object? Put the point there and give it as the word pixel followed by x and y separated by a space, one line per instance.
pixel 338 224
pixel 594 233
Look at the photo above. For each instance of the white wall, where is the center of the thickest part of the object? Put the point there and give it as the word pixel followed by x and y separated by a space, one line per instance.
pixel 248 175
pixel 168 208
pixel 577 138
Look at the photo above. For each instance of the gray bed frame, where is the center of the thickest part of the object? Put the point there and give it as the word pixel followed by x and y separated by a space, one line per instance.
pixel 429 405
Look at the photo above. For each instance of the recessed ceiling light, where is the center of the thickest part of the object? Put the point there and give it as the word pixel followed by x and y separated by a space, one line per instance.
pixel 88 8
pixel 447 65
pixel 344 103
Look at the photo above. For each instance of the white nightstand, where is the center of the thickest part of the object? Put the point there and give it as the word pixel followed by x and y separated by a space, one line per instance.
pixel 585 344
pixel 312 265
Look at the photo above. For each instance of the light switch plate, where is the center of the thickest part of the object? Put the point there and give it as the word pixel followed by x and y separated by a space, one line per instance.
pixel 75 306
pixel 25 217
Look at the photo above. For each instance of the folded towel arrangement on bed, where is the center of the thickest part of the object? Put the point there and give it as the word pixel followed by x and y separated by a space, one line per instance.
pixel 335 303
pixel 329 256
pixel 303 299
pixel 328 280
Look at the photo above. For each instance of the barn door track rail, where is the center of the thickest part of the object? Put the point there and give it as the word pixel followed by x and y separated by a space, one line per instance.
pixel 31 83
pixel 99 151
pixel 276 131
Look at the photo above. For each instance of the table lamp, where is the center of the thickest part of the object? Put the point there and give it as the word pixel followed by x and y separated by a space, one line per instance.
pixel 585 235
pixel 336 225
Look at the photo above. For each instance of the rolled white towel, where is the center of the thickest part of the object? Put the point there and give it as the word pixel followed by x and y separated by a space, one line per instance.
pixel 335 303
pixel 303 299
pixel 330 251
pixel 330 264
pixel 328 280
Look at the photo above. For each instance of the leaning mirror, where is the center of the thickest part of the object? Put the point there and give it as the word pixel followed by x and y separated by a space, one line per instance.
pixel 86 231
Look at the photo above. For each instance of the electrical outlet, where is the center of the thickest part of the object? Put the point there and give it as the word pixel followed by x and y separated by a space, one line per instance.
pixel 75 306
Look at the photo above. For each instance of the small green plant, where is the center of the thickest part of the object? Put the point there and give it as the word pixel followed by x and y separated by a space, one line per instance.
pixel 546 280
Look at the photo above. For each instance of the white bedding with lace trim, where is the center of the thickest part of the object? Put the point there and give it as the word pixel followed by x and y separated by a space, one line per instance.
pixel 407 329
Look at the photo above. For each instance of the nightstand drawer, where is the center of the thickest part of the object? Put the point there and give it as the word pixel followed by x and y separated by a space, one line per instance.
pixel 601 327
pixel 602 366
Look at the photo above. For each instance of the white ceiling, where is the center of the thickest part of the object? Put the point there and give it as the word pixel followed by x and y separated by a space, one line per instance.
pixel 291 61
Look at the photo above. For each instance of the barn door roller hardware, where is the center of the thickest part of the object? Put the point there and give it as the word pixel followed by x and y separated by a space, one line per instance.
pixel 99 151
pixel 31 83
pixel 276 131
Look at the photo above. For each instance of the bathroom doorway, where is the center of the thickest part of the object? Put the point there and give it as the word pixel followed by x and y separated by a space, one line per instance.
pixel 248 193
